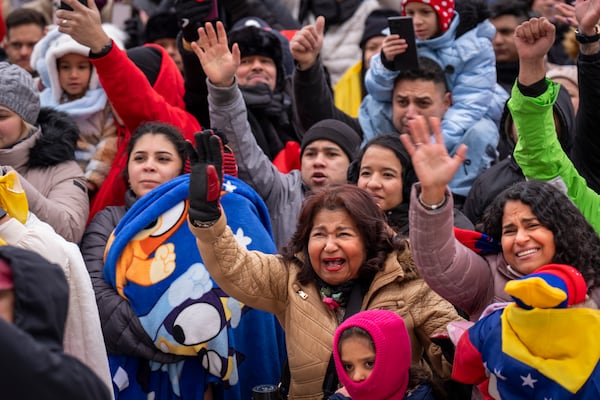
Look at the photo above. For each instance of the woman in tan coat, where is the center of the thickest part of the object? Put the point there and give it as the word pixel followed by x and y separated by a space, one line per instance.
pixel 342 247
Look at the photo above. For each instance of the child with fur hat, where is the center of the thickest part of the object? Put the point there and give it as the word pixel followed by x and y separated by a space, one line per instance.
pixel 372 355
pixel 462 46
pixel 544 345
pixel 71 85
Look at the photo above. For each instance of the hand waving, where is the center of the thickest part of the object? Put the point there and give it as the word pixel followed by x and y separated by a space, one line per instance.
pixel 432 163
pixel 206 178
pixel 219 64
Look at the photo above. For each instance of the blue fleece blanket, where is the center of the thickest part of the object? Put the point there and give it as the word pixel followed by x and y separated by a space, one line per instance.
pixel 152 260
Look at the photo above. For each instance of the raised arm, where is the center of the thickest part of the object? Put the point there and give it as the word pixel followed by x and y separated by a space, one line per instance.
pixel 453 271
pixel 586 148
pixel 538 151
pixel 313 98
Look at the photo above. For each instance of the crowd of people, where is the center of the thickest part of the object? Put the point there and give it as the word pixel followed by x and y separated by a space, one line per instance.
pixel 199 197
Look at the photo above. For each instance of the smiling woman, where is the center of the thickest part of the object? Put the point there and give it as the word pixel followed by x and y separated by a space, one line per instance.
pixel 535 223
pixel 342 253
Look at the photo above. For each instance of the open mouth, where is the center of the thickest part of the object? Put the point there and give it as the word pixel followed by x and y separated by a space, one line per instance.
pixel 333 264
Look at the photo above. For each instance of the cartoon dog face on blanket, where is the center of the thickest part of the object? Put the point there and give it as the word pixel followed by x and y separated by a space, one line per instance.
pixel 191 316
pixel 198 325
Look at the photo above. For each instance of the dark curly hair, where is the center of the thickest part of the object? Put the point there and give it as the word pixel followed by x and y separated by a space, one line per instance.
pixel 575 240
pixel 378 239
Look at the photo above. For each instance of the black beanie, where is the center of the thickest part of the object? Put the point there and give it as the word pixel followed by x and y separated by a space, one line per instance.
pixel 148 60
pixel 376 23
pixel 161 26
pixel 335 131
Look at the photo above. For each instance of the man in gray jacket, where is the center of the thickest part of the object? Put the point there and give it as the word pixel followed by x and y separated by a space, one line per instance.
pixel 327 148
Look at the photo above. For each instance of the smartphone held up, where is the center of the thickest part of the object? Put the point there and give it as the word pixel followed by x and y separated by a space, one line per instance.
pixel 65 6
pixel 403 27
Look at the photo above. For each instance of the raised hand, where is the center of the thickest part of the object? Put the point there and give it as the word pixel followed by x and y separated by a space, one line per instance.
pixel 218 62
pixel 306 44
pixel 434 167
pixel 206 178
pixel 83 24
pixel 533 39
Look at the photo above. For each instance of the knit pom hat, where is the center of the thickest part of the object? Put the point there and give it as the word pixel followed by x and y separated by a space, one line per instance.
pixel 18 93
pixel 550 286
pixel 389 377
pixel 336 132
pixel 376 24
pixel 443 8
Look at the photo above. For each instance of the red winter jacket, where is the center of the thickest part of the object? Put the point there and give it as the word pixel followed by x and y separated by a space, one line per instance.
pixel 135 101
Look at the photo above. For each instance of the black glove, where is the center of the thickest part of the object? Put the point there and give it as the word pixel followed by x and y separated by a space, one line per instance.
pixel 205 179
pixel 190 15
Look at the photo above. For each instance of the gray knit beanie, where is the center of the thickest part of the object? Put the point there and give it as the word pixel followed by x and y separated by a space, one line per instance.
pixel 18 93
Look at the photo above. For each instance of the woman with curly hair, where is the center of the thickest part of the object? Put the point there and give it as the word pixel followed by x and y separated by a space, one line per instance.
pixel 341 254
pixel 534 222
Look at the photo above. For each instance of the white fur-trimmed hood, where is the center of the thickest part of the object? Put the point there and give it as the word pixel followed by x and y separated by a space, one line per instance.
pixel 55 45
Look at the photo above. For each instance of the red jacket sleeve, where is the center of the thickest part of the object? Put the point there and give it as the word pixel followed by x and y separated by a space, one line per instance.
pixel 136 101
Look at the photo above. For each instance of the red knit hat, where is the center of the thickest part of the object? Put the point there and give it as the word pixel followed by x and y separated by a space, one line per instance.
pixel 389 378
pixel 443 8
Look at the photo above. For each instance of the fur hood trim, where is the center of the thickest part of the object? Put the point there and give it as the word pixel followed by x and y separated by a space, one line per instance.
pixel 57 142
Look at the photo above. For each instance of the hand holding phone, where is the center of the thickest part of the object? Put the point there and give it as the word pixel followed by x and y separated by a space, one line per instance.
pixel 403 27
pixel 65 6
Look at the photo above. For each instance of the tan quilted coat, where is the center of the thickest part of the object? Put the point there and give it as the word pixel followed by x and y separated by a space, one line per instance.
pixel 268 283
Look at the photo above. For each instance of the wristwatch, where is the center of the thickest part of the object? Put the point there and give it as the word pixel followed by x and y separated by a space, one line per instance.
pixel 584 39
pixel 2 213
pixel 104 51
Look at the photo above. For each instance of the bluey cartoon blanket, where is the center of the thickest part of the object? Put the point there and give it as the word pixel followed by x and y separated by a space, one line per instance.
pixel 152 260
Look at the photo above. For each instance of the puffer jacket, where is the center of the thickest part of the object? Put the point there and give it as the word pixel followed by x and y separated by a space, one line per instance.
pixel 470 67
pixel 268 283
pixel 464 278
pixel 53 181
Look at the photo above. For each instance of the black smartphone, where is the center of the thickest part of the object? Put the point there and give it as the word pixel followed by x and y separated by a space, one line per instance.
pixel 64 6
pixel 403 27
